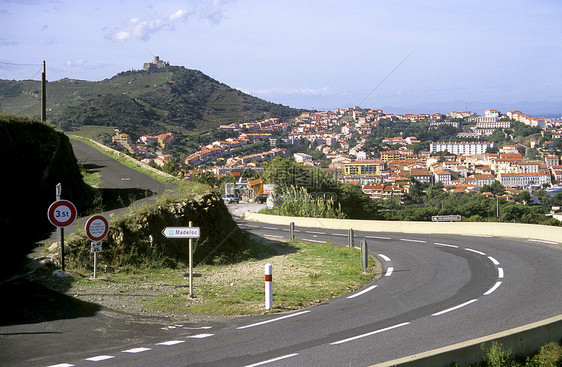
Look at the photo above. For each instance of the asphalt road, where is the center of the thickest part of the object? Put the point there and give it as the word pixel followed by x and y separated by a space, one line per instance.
pixel 115 176
pixel 434 291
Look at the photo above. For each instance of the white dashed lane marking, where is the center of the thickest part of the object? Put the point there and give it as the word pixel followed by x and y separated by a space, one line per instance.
pixel 136 350
pixel 369 334
pixel 99 358
pixel 200 336
pixel 389 271
pixel 172 342
pixel 384 257
pixel 410 240
pixel 454 308
pixel 362 292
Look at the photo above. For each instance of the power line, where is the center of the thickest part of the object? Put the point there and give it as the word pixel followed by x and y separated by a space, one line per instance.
pixel 386 77
pixel 18 64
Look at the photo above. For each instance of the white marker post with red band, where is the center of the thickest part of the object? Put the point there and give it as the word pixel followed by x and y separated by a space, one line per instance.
pixel 268 287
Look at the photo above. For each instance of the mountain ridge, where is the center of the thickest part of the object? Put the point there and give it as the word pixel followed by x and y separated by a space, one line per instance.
pixel 176 99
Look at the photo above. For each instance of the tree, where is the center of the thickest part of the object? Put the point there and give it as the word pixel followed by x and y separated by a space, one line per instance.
pixel 523 197
pixel 495 188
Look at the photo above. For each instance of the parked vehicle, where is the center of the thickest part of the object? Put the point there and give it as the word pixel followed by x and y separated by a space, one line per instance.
pixel 261 198
pixel 229 199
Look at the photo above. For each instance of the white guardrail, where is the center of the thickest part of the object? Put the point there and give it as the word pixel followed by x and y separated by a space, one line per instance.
pixel 526 339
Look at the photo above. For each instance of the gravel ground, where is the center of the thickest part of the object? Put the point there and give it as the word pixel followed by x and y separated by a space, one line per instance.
pixel 136 297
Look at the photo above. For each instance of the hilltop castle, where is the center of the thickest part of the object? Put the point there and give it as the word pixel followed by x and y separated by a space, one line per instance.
pixel 155 64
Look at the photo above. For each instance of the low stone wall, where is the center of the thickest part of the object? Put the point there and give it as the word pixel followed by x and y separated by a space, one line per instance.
pixel 513 230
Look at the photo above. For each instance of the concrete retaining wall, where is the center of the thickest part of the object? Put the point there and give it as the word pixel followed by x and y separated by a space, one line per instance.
pixel 525 340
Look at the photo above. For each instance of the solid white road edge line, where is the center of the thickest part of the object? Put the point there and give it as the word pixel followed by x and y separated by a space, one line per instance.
pixel 547 242
pixel 454 308
pixel 369 334
pixel 362 292
pixel 272 360
pixel 491 290
pixel 475 251
pixel 384 257
pixel 272 320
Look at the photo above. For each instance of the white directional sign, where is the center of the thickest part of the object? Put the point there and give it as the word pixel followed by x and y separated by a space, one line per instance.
pixel 181 232
pixel 445 218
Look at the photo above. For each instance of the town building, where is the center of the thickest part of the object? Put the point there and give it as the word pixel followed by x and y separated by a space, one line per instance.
pixel 461 148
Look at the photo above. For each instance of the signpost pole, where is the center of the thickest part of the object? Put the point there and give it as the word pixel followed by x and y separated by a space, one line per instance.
pixel 60 230
pixel 190 265
pixel 185 232
pixel 95 263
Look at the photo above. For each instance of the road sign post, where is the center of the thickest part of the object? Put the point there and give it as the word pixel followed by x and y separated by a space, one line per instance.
pixel 185 232
pixel 61 213
pixel 96 228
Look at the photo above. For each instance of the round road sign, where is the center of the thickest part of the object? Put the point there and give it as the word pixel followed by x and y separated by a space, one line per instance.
pixel 97 228
pixel 62 213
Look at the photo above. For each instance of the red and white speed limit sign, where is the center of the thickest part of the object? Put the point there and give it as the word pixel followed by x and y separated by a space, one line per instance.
pixel 97 228
pixel 62 213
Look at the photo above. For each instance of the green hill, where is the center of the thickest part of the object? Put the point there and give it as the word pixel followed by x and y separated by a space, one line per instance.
pixel 174 99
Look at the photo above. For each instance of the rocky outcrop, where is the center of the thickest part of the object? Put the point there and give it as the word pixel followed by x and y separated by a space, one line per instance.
pixel 136 239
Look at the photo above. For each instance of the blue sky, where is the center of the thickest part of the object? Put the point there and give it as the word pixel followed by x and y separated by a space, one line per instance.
pixel 429 54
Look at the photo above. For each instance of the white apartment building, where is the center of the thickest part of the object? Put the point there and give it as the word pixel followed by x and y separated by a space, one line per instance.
pixel 461 148
pixel 524 179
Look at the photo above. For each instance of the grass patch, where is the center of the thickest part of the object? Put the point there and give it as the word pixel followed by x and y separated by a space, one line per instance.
pixel 304 274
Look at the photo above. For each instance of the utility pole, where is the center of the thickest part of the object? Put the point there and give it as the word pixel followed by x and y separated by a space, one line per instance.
pixel 44 94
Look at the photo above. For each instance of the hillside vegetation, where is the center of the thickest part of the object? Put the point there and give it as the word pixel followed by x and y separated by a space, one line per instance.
pixel 173 99
pixel 36 159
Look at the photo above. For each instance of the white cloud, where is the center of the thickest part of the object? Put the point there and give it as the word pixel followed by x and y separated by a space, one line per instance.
pixel 79 62
pixel 138 28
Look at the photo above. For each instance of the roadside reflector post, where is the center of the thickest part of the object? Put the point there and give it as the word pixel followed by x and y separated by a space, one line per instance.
pixel 268 287
pixel 350 238
pixel 364 258
pixel 292 231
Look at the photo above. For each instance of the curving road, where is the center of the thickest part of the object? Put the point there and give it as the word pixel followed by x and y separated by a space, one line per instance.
pixel 434 291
